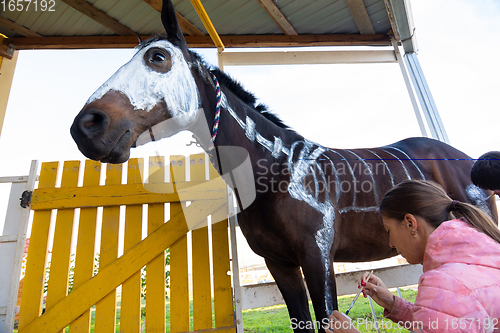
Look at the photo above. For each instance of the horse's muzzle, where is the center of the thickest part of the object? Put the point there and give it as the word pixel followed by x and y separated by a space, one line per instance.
pixel 90 124
pixel 92 134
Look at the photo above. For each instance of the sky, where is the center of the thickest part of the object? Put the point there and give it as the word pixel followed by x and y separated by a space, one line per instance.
pixel 338 106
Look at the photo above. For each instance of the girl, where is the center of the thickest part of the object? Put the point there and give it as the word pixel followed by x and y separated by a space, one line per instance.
pixel 459 247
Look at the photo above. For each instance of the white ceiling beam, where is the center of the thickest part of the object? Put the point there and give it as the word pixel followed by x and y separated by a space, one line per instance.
pixel 278 17
pixel 360 16
pixel 307 57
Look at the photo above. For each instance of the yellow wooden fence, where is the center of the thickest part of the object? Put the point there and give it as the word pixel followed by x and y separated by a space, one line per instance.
pixel 200 198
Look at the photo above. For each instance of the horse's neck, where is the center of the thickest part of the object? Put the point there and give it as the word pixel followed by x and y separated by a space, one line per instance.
pixel 242 126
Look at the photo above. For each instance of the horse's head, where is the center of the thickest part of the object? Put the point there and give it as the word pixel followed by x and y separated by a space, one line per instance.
pixel 155 86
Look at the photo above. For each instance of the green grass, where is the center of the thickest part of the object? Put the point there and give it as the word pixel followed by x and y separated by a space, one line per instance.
pixel 274 319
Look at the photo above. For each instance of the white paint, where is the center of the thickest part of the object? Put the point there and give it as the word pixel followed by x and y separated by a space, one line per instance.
pixel 402 164
pixel 478 197
pixel 250 131
pixel 278 147
pixel 307 161
pixel 411 160
pixel 358 209
pixel 307 165
pixel 375 194
pixel 354 207
pixel 337 180
pixel 342 158
pixel 145 88
pixel 275 150
pixel 386 166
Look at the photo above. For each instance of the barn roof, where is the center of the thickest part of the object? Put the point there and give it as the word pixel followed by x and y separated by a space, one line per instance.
pixel 67 24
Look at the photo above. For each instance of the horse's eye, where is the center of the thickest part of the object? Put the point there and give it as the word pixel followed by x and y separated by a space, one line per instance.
pixel 158 60
pixel 158 57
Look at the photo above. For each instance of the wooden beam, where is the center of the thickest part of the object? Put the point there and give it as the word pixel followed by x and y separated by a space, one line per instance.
pixel 392 19
pixel 188 27
pixel 99 42
pixel 100 17
pixel 17 28
pixel 75 42
pixel 298 40
pixel 307 57
pixel 6 51
pixel 360 16
pixel 278 17
pixel 185 25
pixel 6 76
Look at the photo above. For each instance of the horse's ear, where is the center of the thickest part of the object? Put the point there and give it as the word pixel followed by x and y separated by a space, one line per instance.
pixel 169 20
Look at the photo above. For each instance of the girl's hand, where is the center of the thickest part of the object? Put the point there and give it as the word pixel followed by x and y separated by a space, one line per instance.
pixel 339 322
pixel 377 290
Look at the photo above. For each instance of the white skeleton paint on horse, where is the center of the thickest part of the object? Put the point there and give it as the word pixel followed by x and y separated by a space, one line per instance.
pixel 300 228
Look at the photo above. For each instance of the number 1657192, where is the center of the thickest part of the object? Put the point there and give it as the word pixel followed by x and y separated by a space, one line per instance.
pixel 25 5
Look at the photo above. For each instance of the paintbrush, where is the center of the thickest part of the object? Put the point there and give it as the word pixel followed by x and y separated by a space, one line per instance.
pixel 357 295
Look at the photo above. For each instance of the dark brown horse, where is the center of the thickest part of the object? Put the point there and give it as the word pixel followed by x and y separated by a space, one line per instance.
pixel 302 205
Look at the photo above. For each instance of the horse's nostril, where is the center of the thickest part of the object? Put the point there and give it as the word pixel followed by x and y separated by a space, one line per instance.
pixel 93 122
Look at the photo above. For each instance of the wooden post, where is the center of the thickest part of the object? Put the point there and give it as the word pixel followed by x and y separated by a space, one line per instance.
pixel 105 311
pixel 130 319
pixel 85 250
pixel 179 278
pixel 12 246
pixel 7 68
pixel 155 270
pixel 202 294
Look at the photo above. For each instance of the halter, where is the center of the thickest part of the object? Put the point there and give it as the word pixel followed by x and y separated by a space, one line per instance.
pixel 215 127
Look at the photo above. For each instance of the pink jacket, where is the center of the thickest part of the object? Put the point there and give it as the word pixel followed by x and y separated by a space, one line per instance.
pixel 460 288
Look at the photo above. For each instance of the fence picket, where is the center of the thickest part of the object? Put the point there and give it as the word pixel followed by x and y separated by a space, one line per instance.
pixel 84 258
pixel 155 270
pixel 105 313
pixel 223 295
pixel 57 287
pixel 179 281
pixel 130 319
pixel 31 303
pixel 202 293
pixel 74 309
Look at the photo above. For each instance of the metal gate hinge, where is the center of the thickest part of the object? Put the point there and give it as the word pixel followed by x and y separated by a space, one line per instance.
pixel 26 199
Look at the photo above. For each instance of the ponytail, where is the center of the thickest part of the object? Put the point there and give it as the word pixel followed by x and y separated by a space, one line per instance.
pixel 429 201
pixel 476 218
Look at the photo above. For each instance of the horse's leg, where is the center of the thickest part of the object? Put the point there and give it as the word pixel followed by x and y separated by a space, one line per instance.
pixel 322 287
pixel 291 285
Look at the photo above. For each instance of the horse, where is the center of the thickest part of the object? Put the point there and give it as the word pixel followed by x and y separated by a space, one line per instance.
pixel 307 205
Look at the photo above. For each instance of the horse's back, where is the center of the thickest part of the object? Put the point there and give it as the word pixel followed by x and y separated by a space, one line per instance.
pixel 441 163
pixel 450 168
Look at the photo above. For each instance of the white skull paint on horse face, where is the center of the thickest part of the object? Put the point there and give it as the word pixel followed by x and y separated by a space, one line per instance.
pixel 154 86
pixel 156 73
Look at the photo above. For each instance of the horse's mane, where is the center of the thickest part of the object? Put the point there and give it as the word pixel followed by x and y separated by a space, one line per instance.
pixel 236 88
